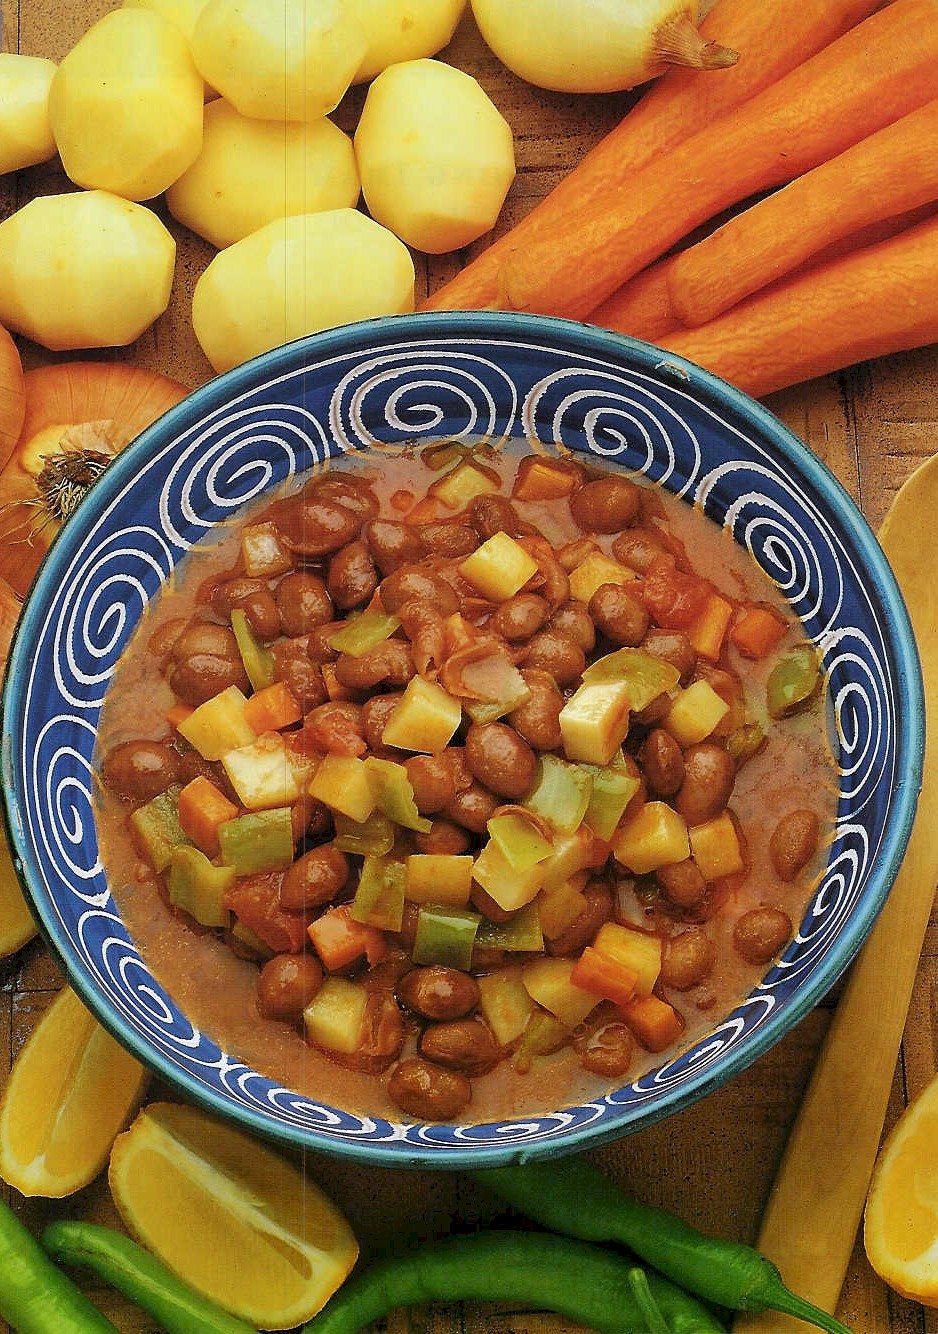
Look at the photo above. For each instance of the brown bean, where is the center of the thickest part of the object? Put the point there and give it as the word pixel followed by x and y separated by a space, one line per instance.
pixel 383 1033
pixel 303 603
pixel 353 576
pixel 673 647
pixel 140 770
pixel 431 778
pixel 794 842
pixel 709 776
pixel 573 621
pixel 450 540
pixel 618 615
pixel 427 1091
pixel 336 727
pixel 606 1050
pixel 303 678
pixel 315 525
pixel 655 712
pixel 500 760
pixel 762 933
pixel 538 718
pixel 574 553
pixel 581 932
pixel 687 960
pixel 554 653
pixel 353 492
pixel 551 581
pixel 637 549
pixel 261 613
pixel 409 922
pixel 413 583
pixel 490 514
pixel 206 662
pixel 442 839
pixel 164 639
pixel 318 647
pixel 286 985
pixel 483 902
pixel 314 879
pixel 473 807
pixel 389 973
pixel 391 661
pixel 439 993
pixel 605 506
pixel 311 819
pixel 461 1044
pixel 520 617
pixel 231 592
pixel 682 884
pixel 662 763
pixel 392 544
pixel 375 714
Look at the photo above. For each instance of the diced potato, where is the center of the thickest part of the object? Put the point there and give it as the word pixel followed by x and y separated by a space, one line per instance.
pixel 218 725
pixel 251 172
pixel 398 30
pixel 715 848
pixel 84 270
pixel 25 132
pixel 498 568
pixel 184 13
pixel 596 570
pixel 695 713
pixel 560 907
pixel 438 879
pixel 284 60
pixel 506 1004
pixel 463 484
pixel 709 630
pixel 342 783
pixel 296 276
pixel 547 981
pixel 509 888
pixel 435 155
pixel 572 853
pixel 261 773
pixel 333 1019
pixel 595 721
pixel 655 837
pixel 128 125
pixel 638 951
pixel 425 719
pixel 263 552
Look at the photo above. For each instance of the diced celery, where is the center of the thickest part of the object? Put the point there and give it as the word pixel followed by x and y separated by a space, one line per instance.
pixel 263 552
pixel 793 682
pixel 366 838
pixel 261 774
pixel 505 1004
pixel 656 836
pixel 543 1036
pixel 522 935
pixel 334 1017
pixel 595 721
pixel 572 853
pixel 438 878
pixel 218 725
pixel 379 899
pixel 597 569
pixel 446 936
pixel 559 908
pixel 695 713
pixel 199 887
pixel 258 661
pixel 393 793
pixel 157 828
pixel 519 841
pixel 341 782
pixel 261 841
pixel 364 632
pixel 647 677
pixel 548 982
pixel 613 789
pixel 561 795
pixel 715 848
pixel 463 484
pixel 425 719
pixel 637 951
pixel 509 888
pixel 251 940
pixel 498 568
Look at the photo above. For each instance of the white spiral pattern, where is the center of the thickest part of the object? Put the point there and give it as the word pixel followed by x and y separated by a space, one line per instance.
pixel 191 475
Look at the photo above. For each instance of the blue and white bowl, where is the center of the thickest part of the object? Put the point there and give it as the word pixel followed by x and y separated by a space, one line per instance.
pixel 374 386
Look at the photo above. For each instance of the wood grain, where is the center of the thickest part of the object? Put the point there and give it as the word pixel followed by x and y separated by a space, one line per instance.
pixel 714 1162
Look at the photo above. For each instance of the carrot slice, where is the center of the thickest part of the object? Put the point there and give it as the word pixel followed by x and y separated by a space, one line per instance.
pixel 272 708
pixel 202 809
pixel 654 1022
pixel 757 632
pixel 12 396
pixel 709 630
pixel 601 976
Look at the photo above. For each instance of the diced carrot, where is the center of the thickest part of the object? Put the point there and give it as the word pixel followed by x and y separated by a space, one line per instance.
pixel 334 688
pixel 757 632
pixel 202 808
pixel 602 976
pixel 339 940
pixel 709 630
pixel 272 708
pixel 425 511
pixel 542 480
pixel 178 714
pixel 654 1022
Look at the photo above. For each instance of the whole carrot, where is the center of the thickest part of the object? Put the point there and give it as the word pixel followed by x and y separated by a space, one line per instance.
pixel 868 304
pixel 773 39
pixel 876 73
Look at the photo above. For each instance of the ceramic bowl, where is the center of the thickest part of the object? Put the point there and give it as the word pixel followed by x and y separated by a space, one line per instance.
pixel 371 387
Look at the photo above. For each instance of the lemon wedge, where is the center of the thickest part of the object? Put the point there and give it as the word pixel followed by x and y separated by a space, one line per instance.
pixel 71 1091
pixel 16 922
pixel 229 1216
pixel 901 1226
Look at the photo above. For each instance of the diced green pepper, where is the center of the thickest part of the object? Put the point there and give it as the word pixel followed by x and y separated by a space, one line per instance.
pixel 485 711
pixel 561 794
pixel 520 842
pixel 445 936
pixel 613 789
pixel 394 795
pixel 793 682
pixel 260 841
pixel 379 899
pixel 157 828
pixel 520 935
pixel 199 887
pixel 745 742
pixel 543 1035
pixel 647 677
pixel 362 633
pixel 258 661
pixel 367 838
pixel 251 940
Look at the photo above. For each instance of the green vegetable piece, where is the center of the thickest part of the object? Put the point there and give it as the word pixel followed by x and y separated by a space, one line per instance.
pixel 520 843
pixel 613 789
pixel 394 795
pixel 520 935
pixel 646 677
pixel 484 711
pixel 199 887
pixel 793 682
pixel 445 935
pixel 366 838
pixel 543 1035
pixel 745 742
pixel 379 899
pixel 260 841
pixel 157 828
pixel 121 1263
pixel 35 1297
pixel 251 940
pixel 651 1311
pixel 561 795
pixel 258 661
pixel 362 633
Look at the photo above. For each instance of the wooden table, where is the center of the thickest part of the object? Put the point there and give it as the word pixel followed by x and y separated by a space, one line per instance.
pixel 714 1162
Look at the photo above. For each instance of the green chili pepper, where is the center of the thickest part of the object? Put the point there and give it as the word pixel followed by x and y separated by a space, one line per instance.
pixel 522 934
pixel 199 887
pixel 793 682
pixel 364 632
pixel 644 1298
pixel 260 841
pixel 258 661
pixel 561 794
pixel 35 1298
pixel 520 843
pixel 647 677
pixel 394 795
pixel 583 1282
pixel 445 935
pixel 367 838
pixel 573 1197
pixel 379 899
pixel 157 828
pixel 123 1264
pixel 613 789
pixel 745 742
pixel 543 1035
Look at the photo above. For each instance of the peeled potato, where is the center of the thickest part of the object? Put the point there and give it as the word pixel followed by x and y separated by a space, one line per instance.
pixel 126 106
pixel 296 276
pixel 184 13
pixel 279 59
pixel 84 270
pixel 404 30
pixel 253 171
pixel 435 155
pixel 25 132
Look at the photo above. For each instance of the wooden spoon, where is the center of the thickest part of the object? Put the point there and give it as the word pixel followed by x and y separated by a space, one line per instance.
pixel 811 1219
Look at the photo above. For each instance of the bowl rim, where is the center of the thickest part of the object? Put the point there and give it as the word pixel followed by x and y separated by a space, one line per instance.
pixel 649 359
